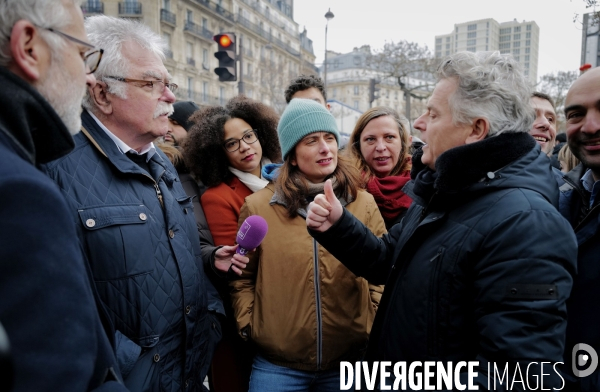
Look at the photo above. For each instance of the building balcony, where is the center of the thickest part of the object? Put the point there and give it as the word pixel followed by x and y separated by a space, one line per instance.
pixel 252 26
pixel 168 17
pixel 130 8
pixel 198 97
pixel 223 12
pixel 190 61
pixel 198 30
pixel 92 7
pixel 217 9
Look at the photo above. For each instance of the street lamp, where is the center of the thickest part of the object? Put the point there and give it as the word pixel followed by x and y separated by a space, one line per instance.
pixel 328 16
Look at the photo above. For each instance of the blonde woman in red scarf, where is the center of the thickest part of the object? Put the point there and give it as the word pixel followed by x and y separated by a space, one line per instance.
pixel 379 146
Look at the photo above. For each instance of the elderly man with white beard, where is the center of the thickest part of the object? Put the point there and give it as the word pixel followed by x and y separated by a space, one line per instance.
pixel 135 221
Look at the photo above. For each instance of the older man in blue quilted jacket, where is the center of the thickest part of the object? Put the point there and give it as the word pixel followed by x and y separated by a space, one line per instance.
pixel 134 219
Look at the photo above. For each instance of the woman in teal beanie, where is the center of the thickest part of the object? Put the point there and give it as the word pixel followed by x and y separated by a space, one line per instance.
pixel 301 307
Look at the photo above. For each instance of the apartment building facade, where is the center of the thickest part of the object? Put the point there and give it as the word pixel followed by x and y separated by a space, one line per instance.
pixel 348 77
pixel 273 49
pixel 521 39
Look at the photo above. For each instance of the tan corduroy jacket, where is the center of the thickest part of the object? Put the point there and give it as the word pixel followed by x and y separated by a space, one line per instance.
pixel 300 305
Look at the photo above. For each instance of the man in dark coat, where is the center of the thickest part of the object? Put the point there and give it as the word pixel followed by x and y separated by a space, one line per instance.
pixel 47 305
pixel 474 271
pixel 580 204
pixel 134 219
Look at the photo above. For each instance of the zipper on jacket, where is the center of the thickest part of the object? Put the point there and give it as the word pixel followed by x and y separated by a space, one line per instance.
pixel 159 195
pixel 157 189
pixel 425 209
pixel 433 302
pixel 318 304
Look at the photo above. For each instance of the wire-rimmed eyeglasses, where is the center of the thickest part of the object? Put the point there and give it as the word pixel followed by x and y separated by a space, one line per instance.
pixel 233 144
pixel 91 58
pixel 149 84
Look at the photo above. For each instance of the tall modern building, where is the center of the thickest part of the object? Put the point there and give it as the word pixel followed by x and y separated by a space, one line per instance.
pixel 590 42
pixel 521 39
pixel 274 49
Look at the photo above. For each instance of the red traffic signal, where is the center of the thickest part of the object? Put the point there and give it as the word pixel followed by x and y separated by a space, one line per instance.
pixel 226 54
pixel 224 40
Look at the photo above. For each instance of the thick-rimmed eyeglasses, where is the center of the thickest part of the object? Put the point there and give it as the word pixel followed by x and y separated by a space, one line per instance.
pixel 91 58
pixel 157 86
pixel 232 145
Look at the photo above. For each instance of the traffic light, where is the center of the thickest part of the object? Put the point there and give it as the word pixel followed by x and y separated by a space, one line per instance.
pixel 373 89
pixel 226 54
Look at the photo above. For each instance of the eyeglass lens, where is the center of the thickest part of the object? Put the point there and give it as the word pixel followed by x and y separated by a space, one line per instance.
pixel 92 60
pixel 235 144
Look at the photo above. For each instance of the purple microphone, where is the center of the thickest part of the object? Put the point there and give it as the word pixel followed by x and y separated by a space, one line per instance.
pixel 251 233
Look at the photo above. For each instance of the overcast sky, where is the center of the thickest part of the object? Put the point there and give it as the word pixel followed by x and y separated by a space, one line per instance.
pixel 374 22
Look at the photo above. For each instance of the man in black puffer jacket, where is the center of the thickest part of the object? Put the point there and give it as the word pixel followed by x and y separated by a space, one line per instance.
pixel 474 271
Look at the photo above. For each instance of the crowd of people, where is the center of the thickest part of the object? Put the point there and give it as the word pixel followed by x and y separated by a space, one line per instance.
pixel 119 267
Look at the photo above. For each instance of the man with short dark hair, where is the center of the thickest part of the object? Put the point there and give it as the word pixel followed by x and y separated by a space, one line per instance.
pixel 543 129
pixel 47 303
pixel 580 204
pixel 307 87
pixel 179 122
pixel 474 271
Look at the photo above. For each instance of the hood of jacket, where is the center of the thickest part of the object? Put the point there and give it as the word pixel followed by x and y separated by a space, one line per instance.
pixel 271 171
pixel 509 160
pixel 29 120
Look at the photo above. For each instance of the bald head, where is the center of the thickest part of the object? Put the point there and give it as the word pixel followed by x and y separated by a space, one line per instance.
pixel 582 113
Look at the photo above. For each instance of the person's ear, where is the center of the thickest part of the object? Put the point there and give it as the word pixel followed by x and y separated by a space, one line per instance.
pixel 101 97
pixel 479 130
pixel 30 53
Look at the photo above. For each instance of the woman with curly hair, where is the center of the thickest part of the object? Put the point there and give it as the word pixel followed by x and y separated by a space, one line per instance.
pixel 379 146
pixel 302 308
pixel 226 149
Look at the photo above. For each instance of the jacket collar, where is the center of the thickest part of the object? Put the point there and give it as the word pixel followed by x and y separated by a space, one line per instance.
pixel 29 120
pixel 462 166
pixel 574 176
pixel 108 148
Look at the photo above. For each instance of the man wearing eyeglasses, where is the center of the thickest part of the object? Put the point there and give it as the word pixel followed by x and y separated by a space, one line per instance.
pixel 47 303
pixel 135 221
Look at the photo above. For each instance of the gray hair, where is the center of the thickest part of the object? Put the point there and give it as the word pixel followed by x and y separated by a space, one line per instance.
pixel 110 34
pixel 41 13
pixel 492 86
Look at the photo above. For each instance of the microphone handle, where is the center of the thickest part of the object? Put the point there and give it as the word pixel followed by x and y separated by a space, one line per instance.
pixel 241 251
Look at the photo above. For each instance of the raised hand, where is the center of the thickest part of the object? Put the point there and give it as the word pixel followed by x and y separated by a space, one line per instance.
pixel 324 211
pixel 225 258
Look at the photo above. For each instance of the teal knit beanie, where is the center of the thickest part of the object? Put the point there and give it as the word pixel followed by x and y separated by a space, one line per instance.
pixel 300 118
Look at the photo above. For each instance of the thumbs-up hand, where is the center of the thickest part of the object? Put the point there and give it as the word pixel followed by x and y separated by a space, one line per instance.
pixel 325 210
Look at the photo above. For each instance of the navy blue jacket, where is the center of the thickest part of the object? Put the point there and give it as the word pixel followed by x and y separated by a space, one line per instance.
pixel 47 305
pixel 139 233
pixel 474 271
pixel 584 304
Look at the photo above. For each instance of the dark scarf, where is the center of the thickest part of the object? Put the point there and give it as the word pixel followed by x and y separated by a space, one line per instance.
pixel 29 120
pixel 459 167
pixel 388 195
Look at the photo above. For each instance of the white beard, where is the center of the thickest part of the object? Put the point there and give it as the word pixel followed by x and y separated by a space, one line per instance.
pixel 63 95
